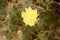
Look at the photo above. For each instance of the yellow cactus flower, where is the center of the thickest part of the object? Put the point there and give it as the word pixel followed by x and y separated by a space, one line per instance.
pixel 29 16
